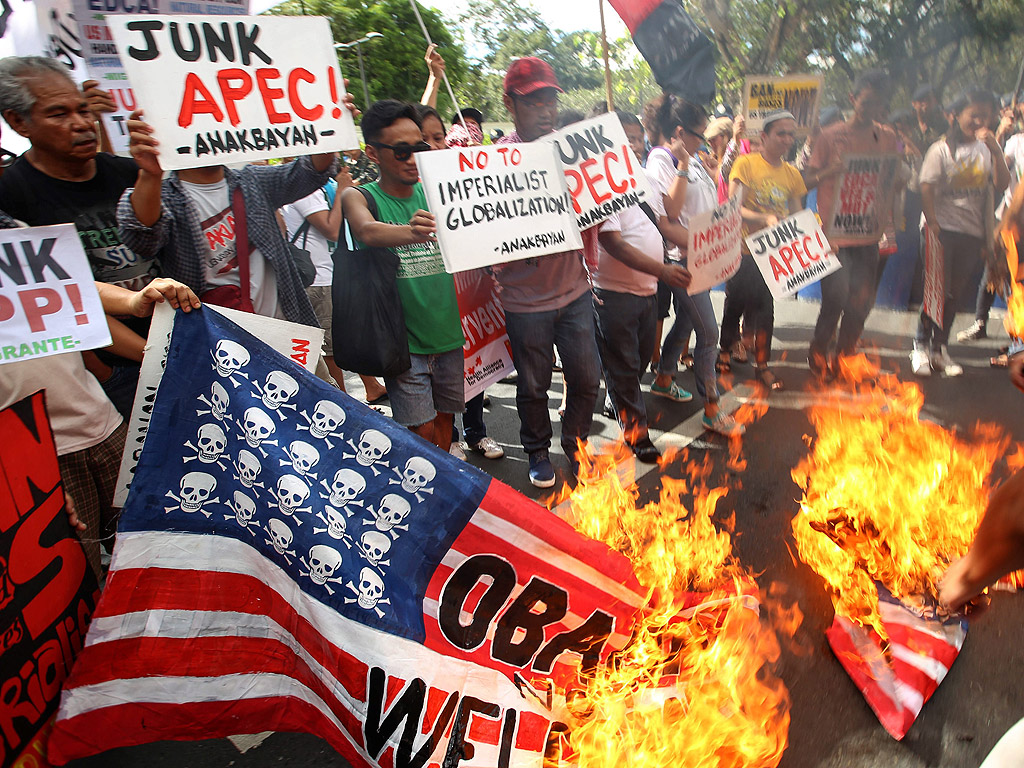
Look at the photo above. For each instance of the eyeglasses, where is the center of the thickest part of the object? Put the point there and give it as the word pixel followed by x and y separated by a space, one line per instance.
pixel 693 133
pixel 402 151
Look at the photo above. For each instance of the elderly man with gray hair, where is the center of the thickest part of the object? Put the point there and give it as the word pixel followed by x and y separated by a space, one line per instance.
pixel 64 179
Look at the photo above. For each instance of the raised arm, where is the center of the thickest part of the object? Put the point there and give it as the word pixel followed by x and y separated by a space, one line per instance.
pixel 378 234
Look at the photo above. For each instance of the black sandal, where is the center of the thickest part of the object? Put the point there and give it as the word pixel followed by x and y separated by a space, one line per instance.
pixel 767 378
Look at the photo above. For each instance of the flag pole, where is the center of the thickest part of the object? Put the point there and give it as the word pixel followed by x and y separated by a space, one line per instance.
pixel 604 53
pixel 444 75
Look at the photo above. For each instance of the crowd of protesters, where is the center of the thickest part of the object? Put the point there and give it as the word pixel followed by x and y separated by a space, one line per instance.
pixel 597 314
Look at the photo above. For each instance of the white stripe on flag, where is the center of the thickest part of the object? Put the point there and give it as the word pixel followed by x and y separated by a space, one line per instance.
pixel 188 690
pixel 185 625
pixel 933 668
pixel 400 657
pixel 909 697
pixel 556 558
pixel 952 634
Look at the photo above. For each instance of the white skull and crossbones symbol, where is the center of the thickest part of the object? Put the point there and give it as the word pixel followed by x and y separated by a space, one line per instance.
pixel 257 427
pixel 323 562
pixel 280 538
pixel 369 591
pixel 229 357
pixel 248 468
pixel 210 444
pixel 416 477
pixel 371 449
pixel 336 523
pixel 290 495
pixel 277 391
pixel 218 402
pixel 196 490
pixel 302 457
pixel 244 509
pixel 325 421
pixel 344 488
pixel 390 513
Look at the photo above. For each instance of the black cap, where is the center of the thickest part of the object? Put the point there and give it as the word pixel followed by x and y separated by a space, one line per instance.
pixel 470 113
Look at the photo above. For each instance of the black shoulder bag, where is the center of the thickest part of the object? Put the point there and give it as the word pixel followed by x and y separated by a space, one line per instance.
pixel 368 323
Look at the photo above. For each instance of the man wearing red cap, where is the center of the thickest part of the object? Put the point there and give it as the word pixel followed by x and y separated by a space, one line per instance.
pixel 547 301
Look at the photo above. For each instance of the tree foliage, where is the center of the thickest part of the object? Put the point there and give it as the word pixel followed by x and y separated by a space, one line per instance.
pixel 394 64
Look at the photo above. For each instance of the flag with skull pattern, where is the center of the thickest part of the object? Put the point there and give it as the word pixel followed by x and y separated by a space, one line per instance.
pixel 289 559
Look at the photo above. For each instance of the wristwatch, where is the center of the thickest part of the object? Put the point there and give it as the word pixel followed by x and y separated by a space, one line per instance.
pixel 683 173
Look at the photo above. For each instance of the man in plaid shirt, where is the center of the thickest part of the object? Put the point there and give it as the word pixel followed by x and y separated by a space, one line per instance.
pixel 187 222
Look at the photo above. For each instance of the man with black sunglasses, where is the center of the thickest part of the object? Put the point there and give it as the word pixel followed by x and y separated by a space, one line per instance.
pixel 427 396
pixel 547 301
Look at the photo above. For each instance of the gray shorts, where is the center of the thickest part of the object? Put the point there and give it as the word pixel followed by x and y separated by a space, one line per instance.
pixel 320 298
pixel 434 384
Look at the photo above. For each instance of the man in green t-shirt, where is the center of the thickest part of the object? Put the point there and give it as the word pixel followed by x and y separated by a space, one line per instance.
pixel 427 396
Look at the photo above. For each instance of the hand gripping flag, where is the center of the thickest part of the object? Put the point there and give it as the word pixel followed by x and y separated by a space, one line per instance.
pixel 290 560
pixel 681 56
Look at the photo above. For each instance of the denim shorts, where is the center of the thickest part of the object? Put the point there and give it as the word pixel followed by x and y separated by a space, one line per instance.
pixel 434 384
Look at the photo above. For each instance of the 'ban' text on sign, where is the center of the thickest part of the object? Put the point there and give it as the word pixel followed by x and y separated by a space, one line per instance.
pixel 499 203
pixel 603 175
pixel 792 254
pixel 863 199
pixel 48 301
pixel 763 94
pixel 715 246
pixel 226 89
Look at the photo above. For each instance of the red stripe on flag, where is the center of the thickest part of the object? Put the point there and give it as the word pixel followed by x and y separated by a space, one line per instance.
pixel 151 589
pixel 923 643
pixel 914 678
pixel 128 725
pixel 509 505
pixel 483 729
pixel 532 733
pixel 205 657
pixel 634 12
pixel 435 701
pixel 893 717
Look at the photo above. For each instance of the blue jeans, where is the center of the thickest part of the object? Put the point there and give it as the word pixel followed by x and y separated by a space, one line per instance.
pixel 693 313
pixel 625 339
pixel 532 336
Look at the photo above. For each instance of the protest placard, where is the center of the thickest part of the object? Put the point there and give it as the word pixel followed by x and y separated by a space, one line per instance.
pixel 715 252
pixel 800 94
pixel 933 300
pixel 602 173
pixel 498 203
pixel 862 203
pixel 48 300
pixel 302 343
pixel 48 592
pixel 792 254
pixel 101 57
pixel 227 89
pixel 487 354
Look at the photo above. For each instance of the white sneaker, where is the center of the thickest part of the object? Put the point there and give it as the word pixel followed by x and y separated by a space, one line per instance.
pixel 920 362
pixel 489 448
pixel 457 451
pixel 942 363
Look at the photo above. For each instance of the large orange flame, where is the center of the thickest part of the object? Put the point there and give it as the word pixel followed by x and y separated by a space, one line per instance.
pixel 695 686
pixel 1014 319
pixel 888 497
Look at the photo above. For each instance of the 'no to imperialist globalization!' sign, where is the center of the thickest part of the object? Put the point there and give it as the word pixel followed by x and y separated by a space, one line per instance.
pixel 226 89
pixel 48 300
pixel 499 203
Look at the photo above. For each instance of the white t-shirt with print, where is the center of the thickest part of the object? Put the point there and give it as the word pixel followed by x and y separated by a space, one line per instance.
pixel 312 239
pixel 220 262
pixel 701 193
pixel 1014 153
pixel 962 180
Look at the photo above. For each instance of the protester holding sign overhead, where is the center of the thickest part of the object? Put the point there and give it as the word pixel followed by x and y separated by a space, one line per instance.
pixel 547 301
pixel 189 221
pixel 771 189
pixel 855 203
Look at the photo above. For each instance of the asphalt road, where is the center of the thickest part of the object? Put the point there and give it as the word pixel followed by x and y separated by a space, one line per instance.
pixel 831 726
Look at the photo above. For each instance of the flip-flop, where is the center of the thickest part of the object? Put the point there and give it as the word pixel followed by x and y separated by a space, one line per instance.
pixel 379 399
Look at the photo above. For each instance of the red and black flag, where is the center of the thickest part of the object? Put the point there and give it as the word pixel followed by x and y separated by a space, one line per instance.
pixel 681 56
